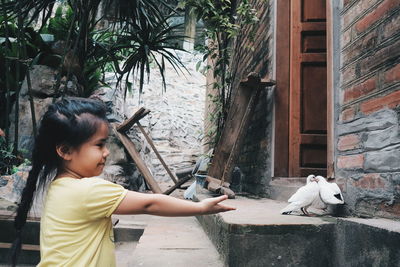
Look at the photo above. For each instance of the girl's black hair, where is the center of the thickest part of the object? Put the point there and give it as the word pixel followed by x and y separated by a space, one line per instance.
pixel 60 125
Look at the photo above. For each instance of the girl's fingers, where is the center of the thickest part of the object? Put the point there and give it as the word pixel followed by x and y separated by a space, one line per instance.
pixel 226 208
pixel 219 199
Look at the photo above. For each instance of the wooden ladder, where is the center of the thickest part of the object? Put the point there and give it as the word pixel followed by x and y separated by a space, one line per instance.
pixel 120 132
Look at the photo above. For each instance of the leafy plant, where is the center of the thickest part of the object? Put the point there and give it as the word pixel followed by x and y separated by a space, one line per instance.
pixel 8 160
pixel 138 36
pixel 224 20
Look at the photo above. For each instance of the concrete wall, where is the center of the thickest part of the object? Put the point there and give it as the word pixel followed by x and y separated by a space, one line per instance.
pixel 336 242
pixel 368 137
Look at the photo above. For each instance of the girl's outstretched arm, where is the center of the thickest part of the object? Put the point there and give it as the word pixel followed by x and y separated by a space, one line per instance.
pixel 162 205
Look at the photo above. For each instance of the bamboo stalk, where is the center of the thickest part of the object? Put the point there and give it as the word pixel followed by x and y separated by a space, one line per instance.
pixel 56 86
pixel 17 89
pixel 7 68
pixel 28 82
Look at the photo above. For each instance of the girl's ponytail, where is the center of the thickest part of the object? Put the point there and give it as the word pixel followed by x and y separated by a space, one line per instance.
pixel 23 209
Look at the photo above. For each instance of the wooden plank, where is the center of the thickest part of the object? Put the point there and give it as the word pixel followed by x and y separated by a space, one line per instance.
pixel 130 147
pixel 173 177
pixel 229 165
pixel 178 184
pixel 281 142
pixel 294 115
pixel 24 246
pixel 330 93
pixel 126 125
pixel 313 57
pixel 138 115
pixel 313 138
pixel 231 129
pixel 313 26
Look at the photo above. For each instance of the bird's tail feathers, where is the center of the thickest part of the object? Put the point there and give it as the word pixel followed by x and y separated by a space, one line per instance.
pixel 291 207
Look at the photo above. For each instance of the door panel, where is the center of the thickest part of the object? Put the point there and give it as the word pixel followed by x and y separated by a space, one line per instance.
pixel 313 10
pixel 313 98
pixel 308 88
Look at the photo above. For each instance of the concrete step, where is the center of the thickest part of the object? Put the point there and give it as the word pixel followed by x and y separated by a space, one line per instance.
pixel 283 188
pixel 256 234
pixel 30 253
pixel 171 242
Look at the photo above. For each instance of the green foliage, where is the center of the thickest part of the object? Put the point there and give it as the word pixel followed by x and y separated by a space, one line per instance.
pixel 224 20
pixel 8 161
pixel 59 25
pixel 147 43
pixel 138 36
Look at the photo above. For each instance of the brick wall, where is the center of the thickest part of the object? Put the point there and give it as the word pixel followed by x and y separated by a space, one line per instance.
pixel 368 134
pixel 254 161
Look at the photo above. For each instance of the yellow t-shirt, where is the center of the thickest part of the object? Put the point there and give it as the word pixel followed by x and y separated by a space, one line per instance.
pixel 76 228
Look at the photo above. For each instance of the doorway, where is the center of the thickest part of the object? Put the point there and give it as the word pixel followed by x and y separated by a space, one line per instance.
pixel 301 105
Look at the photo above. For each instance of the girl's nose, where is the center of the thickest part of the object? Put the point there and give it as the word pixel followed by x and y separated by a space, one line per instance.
pixel 106 152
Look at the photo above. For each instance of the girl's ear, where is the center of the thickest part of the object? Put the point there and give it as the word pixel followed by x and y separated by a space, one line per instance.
pixel 64 152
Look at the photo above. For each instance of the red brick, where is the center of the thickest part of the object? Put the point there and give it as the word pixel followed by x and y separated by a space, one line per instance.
pixel 359 90
pixel 391 27
pixel 348 142
pixel 351 161
pixel 347 114
pixel 349 74
pixel 376 14
pixel 346 2
pixel 393 74
pixel 393 209
pixel 370 181
pixel 362 46
pixel 346 37
pixel 391 100
pixel 380 58
pixel 355 10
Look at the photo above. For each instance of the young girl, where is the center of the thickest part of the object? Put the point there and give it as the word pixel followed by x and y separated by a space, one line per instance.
pixel 76 228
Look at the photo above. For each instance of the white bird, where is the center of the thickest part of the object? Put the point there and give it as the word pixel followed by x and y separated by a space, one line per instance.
pixel 329 192
pixel 303 197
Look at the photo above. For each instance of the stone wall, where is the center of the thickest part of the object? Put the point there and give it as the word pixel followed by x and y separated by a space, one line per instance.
pixel 176 120
pixel 368 137
pixel 175 123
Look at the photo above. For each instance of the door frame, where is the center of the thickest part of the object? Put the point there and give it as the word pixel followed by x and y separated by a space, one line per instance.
pixel 281 135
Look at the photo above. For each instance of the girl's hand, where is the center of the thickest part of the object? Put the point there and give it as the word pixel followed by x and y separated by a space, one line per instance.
pixel 212 205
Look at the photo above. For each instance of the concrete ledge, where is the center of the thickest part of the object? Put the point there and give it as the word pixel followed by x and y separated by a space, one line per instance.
pixel 367 242
pixel 256 234
pixel 283 188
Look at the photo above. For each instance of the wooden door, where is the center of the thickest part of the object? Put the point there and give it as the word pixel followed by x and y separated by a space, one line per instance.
pixel 308 89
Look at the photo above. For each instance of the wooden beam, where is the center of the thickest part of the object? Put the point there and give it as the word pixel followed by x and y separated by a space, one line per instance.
pixel 24 246
pixel 173 177
pixel 178 184
pixel 330 92
pixel 281 102
pixel 241 135
pixel 233 133
pixel 138 115
pixel 130 147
